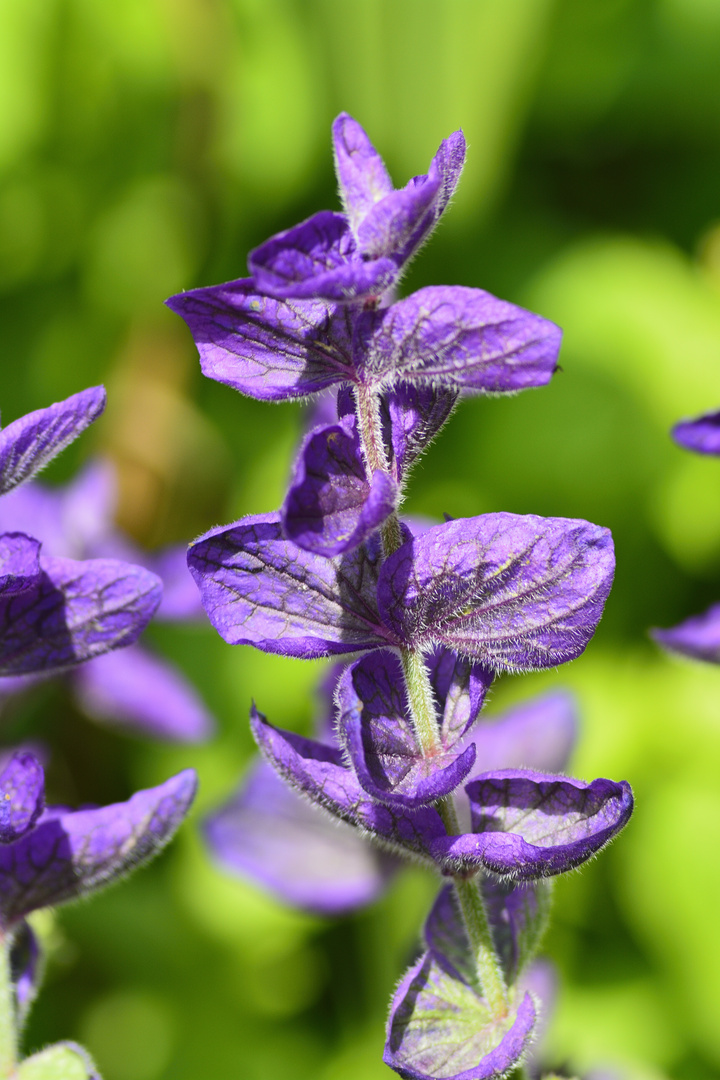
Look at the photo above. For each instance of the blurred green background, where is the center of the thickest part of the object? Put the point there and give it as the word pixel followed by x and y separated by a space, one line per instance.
pixel 145 145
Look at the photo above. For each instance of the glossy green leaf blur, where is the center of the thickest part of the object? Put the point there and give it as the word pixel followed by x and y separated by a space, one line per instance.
pixel 145 146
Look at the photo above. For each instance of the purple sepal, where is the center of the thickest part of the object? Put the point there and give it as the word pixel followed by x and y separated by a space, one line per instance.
pixel 135 690
pixel 332 505
pixel 412 416
pixel 319 772
pixel 269 834
pixel 701 435
pixel 76 611
pixel 461 338
pixel 19 563
pixel 22 788
pixel 319 258
pixel 362 177
pixel 697 637
pixel 29 443
pixel 512 592
pixel 260 589
pixel 528 825
pixel 538 734
pixel 269 349
pixel 518 916
pixel 59 1060
pixel 26 966
pixel 375 729
pixel 440 1028
pixel 71 853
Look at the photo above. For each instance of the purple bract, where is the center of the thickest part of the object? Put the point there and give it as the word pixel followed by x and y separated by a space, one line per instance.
pixel 701 434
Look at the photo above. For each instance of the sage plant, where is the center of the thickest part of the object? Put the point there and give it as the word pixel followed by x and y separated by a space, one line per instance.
pixel 424 617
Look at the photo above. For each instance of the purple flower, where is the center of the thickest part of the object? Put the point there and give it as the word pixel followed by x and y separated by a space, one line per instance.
pixel 55 612
pixel 701 434
pixel 507 591
pixel 51 855
pixel 131 688
pixel 362 253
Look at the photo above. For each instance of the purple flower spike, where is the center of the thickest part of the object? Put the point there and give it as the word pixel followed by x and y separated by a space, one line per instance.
pixel 68 854
pixel 268 833
pixel 529 825
pixel 138 691
pixel 440 1028
pixel 539 734
pixel 268 349
pixel 697 638
pixel 518 916
pixel 461 338
pixel 332 506
pixel 22 787
pixel 28 444
pixel 319 772
pixel 512 592
pixel 701 435
pixel 76 611
pixel 19 563
pixel 376 731
pixel 260 589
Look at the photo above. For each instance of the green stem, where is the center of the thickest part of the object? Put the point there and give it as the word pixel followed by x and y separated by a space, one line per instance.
pixel 8 1027
pixel 424 720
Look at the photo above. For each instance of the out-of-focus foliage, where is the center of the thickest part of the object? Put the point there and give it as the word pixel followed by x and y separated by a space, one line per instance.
pixel 145 145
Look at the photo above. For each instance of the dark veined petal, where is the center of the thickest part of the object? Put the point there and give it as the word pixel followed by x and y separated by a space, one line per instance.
pixel 29 443
pixel 258 588
pixel 701 434
pixel 510 591
pixel 460 338
pixel 70 854
pixel 362 177
pixel 266 348
pixel 318 258
pixel 332 505
pixel 22 795
pixel 697 638
pixel 319 772
pixel 374 726
pixel 268 833
pixel 133 689
pixel 19 563
pixel 77 610
pixel 440 1028
pixel 529 825
pixel 537 734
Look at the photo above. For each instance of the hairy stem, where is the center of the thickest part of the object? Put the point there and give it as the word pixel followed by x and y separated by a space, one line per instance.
pixel 8 1027
pixel 424 719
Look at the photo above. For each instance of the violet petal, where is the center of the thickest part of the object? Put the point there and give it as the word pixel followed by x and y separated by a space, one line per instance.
pixel 528 825
pixel 362 176
pixel 134 689
pixel 461 338
pixel 26 966
pixel 69 854
pixel 512 592
pixel 22 788
pixel 697 637
pixel 19 563
pixel 318 258
pixel 332 506
pixel 78 610
pixel 538 734
pixel 375 729
pixel 271 350
pixel 517 914
pixel 460 688
pixel 412 416
pixel 701 434
pixel 180 599
pixel 260 589
pixel 29 443
pixel 440 1028
pixel 319 773
pixel 268 833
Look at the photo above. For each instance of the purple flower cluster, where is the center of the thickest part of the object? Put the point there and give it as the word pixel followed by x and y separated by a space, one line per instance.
pixel 699 636
pixel 426 616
